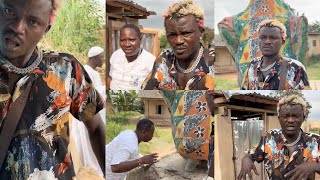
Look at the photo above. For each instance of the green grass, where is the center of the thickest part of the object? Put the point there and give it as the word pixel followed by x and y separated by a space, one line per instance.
pixel 226 84
pixel 120 121
pixel 161 138
pixel 313 71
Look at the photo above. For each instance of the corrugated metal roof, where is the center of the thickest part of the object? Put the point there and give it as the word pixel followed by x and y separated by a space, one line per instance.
pixel 249 95
pixel 218 41
pixel 154 94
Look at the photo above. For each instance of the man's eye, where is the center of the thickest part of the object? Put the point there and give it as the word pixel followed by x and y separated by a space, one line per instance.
pixel 186 33
pixel 34 22
pixel 8 11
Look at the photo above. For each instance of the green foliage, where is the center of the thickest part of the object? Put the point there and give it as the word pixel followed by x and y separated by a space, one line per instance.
pixel 208 36
pixel 313 71
pixel 163 42
pixel 226 84
pixel 315 27
pixel 315 130
pixel 281 94
pixel 119 122
pixel 314 59
pixel 127 101
pixel 77 26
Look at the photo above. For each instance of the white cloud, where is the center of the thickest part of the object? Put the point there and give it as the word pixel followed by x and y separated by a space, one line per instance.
pixel 156 21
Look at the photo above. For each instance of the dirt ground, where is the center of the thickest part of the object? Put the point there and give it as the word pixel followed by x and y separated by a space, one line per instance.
pixel 315 84
pixel 231 76
pixel 172 167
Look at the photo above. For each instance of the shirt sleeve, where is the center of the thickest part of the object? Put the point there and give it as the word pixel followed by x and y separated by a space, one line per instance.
pixel 125 151
pixel 153 79
pixel 86 101
pixel 257 152
pixel 302 79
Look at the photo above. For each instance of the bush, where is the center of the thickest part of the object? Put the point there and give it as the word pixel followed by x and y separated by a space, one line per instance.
pixel 314 59
pixel 77 26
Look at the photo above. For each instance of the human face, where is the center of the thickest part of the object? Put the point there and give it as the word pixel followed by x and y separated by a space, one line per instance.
pixel 270 41
pixel 99 60
pixel 129 42
pixel 23 24
pixel 148 135
pixel 183 35
pixel 291 117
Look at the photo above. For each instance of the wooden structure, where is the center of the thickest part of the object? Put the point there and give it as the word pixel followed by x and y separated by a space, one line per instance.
pixel 155 108
pixel 224 62
pixel 121 12
pixel 313 43
pixel 231 138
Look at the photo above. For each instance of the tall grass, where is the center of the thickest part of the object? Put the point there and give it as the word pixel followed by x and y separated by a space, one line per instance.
pixel 76 28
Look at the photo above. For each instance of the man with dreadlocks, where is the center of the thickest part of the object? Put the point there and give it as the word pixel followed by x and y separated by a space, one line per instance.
pixel 186 67
pixel 273 71
pixel 287 153
pixel 38 91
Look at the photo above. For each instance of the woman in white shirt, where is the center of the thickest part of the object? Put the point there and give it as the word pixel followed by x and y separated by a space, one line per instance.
pixel 130 65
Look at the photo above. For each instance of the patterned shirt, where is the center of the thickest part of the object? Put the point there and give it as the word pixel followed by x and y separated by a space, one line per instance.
pixel 39 146
pixel 191 121
pixel 296 78
pixel 275 154
pixel 164 75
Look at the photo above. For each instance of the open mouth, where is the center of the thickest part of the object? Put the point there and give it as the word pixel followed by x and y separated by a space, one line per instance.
pixel 11 44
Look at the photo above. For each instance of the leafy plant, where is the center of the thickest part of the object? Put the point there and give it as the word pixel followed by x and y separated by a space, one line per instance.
pixel 76 28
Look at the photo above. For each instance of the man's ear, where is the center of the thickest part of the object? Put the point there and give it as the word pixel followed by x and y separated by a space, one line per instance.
pixel 48 28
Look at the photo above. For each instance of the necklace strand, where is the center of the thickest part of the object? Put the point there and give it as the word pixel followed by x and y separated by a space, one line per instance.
pixel 268 67
pixel 194 65
pixel 12 68
pixel 295 142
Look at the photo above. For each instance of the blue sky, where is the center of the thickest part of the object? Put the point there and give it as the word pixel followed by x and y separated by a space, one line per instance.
pixel 156 21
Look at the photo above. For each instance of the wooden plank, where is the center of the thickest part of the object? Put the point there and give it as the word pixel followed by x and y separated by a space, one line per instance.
pixel 254 99
pixel 127 7
pixel 272 123
pixel 224 166
pixel 250 109
pixel 220 100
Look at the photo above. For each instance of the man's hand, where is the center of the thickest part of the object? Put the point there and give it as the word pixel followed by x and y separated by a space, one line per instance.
pixel 246 166
pixel 149 159
pixel 302 171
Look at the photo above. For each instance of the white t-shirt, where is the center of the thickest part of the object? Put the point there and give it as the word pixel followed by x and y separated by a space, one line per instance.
pixel 94 75
pixel 129 76
pixel 79 131
pixel 122 148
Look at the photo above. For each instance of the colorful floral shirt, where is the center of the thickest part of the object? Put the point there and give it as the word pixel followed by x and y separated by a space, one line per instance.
pixel 296 78
pixel 275 154
pixel 191 121
pixel 164 75
pixel 39 146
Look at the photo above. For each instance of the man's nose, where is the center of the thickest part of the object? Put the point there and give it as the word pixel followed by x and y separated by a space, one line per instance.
pixel 19 26
pixel 127 43
pixel 179 39
pixel 290 119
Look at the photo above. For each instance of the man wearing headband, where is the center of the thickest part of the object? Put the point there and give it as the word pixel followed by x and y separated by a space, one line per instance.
pixel 265 73
pixel 38 91
pixel 288 153
pixel 186 66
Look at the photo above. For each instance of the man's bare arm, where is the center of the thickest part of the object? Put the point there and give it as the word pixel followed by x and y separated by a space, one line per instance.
pixel 96 129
